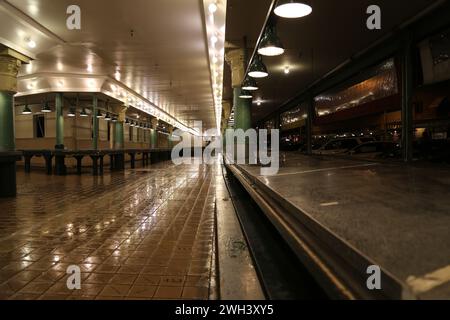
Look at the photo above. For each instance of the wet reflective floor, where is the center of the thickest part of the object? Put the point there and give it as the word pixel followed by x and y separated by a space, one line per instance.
pixel 143 234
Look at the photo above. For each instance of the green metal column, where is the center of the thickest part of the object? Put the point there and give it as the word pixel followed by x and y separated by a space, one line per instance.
pixel 59 121
pixel 119 144
pixel 95 123
pixel 7 139
pixel 309 125
pixel 154 133
pixel 407 92
pixel 224 139
pixel 149 135
pixel 153 138
pixel 170 137
pixel 242 115
pixel 10 63
pixel 8 156
pixel 118 135
pixel 242 118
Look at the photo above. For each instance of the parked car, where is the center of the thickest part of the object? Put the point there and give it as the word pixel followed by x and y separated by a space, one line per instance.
pixel 341 146
pixel 287 144
pixel 377 150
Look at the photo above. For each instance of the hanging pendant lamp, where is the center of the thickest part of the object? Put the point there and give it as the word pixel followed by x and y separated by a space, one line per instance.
pixel 83 113
pixel 249 84
pixel 46 108
pixel 26 110
pixel 71 113
pixel 245 94
pixel 270 44
pixel 292 9
pixel 258 69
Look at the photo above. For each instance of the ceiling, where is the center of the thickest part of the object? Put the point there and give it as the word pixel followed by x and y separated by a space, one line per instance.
pixel 158 47
pixel 315 45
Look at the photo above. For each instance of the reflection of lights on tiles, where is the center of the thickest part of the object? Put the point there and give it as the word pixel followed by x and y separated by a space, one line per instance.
pixel 90 68
pixel 329 204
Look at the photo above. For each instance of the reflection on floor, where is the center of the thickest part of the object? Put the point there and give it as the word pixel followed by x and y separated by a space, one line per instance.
pixel 143 234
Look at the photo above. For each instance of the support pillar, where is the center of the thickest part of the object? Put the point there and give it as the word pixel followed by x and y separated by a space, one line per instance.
pixel 7 137
pixel 59 105
pixel 10 63
pixel 242 111
pixel 95 123
pixel 170 137
pixel 118 135
pixel 407 108
pixel 309 126
pixel 154 133
pixel 226 112
pixel 242 107
pixel 60 166
pixel 119 139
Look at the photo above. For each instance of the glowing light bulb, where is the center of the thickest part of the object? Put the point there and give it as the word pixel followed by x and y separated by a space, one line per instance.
pixel 292 9
pixel 212 8
pixel 31 44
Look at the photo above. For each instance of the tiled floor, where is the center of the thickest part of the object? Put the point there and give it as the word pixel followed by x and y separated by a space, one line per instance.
pixel 142 234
